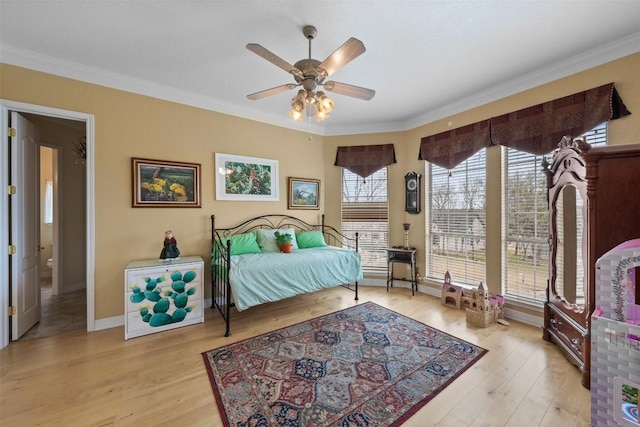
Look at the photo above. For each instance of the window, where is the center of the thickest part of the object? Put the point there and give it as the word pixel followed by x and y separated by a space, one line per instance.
pixel 456 220
pixel 525 223
pixel 48 203
pixel 365 209
pixel 525 251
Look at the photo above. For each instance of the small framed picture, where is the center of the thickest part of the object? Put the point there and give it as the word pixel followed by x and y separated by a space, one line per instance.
pixel 165 184
pixel 246 178
pixel 304 193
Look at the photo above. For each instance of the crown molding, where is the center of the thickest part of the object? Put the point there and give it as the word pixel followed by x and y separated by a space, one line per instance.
pixel 51 65
pixel 572 65
pixel 72 70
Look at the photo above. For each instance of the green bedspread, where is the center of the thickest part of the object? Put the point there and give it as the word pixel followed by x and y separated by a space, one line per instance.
pixel 272 276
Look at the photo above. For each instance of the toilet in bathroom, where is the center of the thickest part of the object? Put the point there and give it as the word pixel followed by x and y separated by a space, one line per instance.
pixel 50 263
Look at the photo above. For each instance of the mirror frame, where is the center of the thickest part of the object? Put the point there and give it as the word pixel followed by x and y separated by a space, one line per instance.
pixel 568 167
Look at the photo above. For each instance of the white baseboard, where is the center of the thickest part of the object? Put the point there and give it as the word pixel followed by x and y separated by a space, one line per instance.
pixel 72 287
pixel 430 290
pixel 109 322
pixel 519 316
pixel 436 291
pixel 373 282
pixel 397 283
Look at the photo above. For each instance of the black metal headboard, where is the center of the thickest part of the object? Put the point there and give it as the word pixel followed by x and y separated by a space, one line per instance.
pixel 332 236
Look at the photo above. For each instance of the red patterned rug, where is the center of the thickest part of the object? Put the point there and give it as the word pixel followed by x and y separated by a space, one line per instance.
pixel 362 366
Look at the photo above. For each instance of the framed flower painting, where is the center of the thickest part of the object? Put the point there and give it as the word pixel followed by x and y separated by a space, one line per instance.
pixel 161 183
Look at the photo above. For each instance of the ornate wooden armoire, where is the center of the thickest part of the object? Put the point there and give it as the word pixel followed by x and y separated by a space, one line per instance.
pixel 594 205
pixel 567 309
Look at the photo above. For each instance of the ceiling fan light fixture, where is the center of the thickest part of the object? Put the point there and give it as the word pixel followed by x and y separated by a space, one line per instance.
pixel 311 98
pixel 296 115
pixel 297 104
pixel 310 74
pixel 321 116
pixel 325 104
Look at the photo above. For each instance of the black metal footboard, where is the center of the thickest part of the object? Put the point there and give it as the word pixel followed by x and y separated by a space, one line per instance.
pixel 220 266
pixel 221 253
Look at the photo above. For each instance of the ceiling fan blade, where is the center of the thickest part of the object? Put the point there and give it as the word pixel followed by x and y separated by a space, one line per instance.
pixel 346 53
pixel 349 90
pixel 272 91
pixel 272 57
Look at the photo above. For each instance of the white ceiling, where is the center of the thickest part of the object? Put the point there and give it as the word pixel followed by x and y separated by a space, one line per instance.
pixel 425 59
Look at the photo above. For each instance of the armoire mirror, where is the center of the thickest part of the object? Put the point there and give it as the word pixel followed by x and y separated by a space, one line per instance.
pixel 569 231
pixel 567 211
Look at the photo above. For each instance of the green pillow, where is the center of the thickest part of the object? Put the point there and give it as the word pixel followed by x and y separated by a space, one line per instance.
pixel 243 244
pixel 310 239
pixel 267 239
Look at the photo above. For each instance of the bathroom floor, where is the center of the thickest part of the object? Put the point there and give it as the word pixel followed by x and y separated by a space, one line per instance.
pixel 60 313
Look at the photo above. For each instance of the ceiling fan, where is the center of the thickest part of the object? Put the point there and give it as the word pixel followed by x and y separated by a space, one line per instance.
pixel 310 74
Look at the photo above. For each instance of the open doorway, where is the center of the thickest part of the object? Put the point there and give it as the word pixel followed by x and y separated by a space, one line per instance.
pixel 62 148
pixel 80 249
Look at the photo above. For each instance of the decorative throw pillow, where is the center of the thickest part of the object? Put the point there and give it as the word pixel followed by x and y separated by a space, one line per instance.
pixel 241 244
pixel 310 239
pixel 267 239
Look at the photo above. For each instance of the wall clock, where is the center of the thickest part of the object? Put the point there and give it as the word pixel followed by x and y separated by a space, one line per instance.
pixel 412 192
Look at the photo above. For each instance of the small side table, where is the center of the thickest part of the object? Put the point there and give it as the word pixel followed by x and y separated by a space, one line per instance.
pixel 402 255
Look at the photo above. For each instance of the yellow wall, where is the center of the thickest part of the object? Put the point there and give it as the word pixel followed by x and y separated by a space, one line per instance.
pixel 129 125
pixel 625 73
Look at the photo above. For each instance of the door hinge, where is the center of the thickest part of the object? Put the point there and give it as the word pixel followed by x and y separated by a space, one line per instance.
pixel 12 190
pixel 13 310
pixel 11 132
pixel 12 249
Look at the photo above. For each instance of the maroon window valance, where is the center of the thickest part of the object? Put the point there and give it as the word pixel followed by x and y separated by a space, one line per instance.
pixel 536 130
pixel 363 160
pixel 448 149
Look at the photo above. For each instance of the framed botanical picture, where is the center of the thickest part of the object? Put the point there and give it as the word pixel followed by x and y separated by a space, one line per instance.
pixel 246 178
pixel 167 184
pixel 304 193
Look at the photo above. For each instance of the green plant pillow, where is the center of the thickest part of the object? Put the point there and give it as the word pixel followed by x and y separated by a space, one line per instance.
pixel 241 244
pixel 267 239
pixel 310 239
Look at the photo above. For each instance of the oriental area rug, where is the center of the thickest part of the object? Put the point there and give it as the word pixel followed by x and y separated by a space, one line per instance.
pixel 361 366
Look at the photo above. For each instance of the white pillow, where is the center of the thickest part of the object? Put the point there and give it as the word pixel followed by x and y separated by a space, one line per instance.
pixel 267 239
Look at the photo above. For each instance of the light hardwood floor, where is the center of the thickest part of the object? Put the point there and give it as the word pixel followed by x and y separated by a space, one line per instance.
pixel 98 379
pixel 59 313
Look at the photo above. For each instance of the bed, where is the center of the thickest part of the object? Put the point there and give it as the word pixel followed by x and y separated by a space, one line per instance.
pixel 248 269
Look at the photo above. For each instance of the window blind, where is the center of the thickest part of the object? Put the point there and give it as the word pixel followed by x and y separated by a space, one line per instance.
pixel 365 209
pixel 456 220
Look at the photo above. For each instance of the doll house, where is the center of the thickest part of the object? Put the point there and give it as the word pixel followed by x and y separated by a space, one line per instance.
pixel 482 309
pixel 451 294
pixel 615 337
pixel 457 295
pixel 485 310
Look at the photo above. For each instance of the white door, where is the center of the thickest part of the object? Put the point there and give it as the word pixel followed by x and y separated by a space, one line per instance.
pixel 25 226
